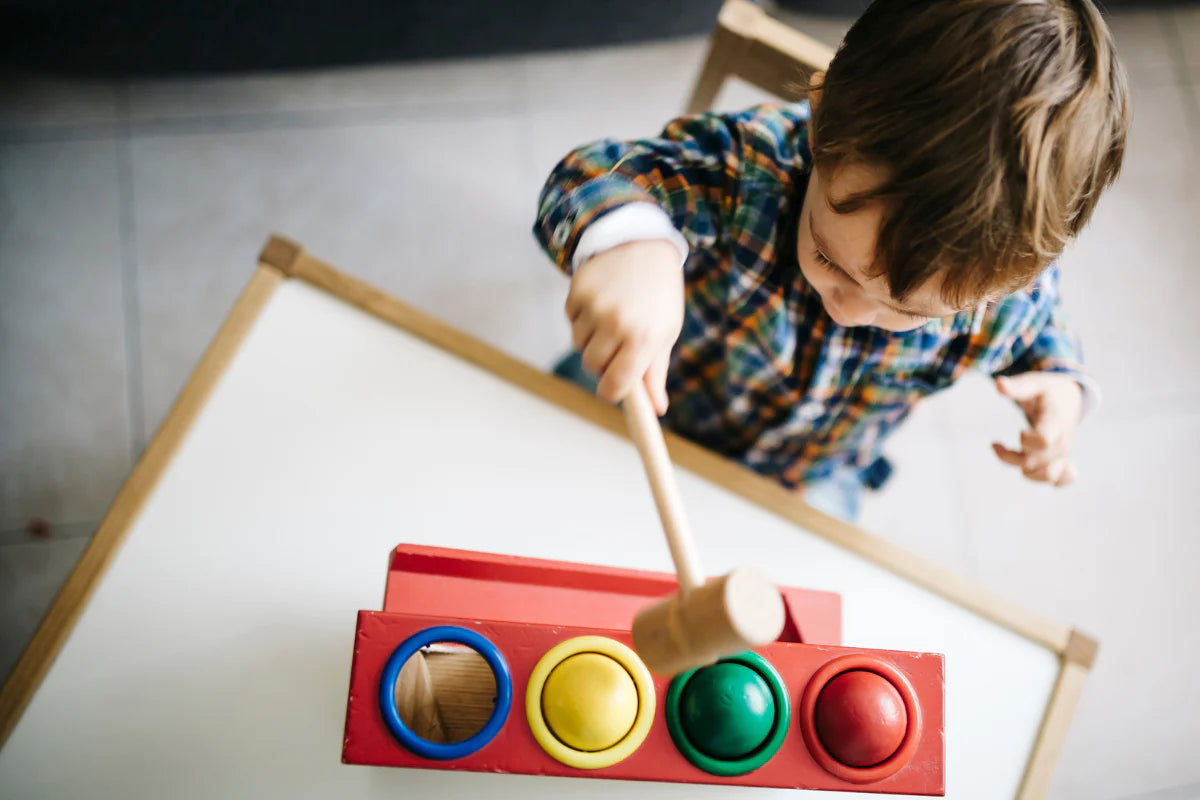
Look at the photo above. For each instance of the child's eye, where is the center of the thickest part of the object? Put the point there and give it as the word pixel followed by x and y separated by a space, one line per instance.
pixel 817 254
pixel 824 261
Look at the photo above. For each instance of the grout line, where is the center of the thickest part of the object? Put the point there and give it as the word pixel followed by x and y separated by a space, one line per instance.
pixel 423 110
pixel 39 134
pixel 60 532
pixel 317 119
pixel 134 387
pixel 306 119
pixel 1192 790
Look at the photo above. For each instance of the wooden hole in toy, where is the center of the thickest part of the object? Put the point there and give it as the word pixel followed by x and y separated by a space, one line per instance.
pixel 445 692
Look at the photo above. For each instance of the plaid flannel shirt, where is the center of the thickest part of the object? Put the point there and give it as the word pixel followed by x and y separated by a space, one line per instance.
pixel 760 372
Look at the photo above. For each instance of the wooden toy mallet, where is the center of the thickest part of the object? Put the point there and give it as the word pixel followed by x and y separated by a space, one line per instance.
pixel 705 621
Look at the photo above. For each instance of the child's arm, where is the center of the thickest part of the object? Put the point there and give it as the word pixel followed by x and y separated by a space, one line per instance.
pixel 689 175
pixel 1047 381
pixel 621 217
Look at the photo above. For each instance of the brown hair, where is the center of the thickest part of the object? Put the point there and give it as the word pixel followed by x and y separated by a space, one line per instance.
pixel 998 123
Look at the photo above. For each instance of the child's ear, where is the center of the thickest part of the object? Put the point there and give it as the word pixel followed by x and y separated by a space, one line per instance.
pixel 816 83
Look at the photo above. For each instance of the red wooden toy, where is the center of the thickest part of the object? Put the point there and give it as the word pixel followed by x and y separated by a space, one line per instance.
pixel 558 690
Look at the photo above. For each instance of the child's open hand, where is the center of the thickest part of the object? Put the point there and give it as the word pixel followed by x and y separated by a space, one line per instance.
pixel 1052 403
pixel 626 311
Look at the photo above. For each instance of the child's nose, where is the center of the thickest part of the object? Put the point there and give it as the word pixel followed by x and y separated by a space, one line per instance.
pixel 857 308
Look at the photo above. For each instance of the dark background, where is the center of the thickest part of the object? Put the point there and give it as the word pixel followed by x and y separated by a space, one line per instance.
pixel 113 37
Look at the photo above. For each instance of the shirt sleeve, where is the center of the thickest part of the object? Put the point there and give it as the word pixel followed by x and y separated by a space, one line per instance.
pixel 636 222
pixel 691 172
pixel 1050 346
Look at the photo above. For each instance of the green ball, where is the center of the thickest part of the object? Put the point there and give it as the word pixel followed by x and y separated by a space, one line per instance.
pixel 726 710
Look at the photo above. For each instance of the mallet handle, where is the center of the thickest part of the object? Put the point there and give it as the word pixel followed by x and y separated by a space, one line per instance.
pixel 646 433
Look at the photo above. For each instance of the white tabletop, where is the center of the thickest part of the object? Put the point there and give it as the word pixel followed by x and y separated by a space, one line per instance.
pixel 214 657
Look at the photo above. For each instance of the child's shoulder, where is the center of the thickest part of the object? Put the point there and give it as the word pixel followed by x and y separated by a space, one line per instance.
pixel 1022 313
pixel 782 122
pixel 770 136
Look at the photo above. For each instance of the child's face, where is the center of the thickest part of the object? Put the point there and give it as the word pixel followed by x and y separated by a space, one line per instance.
pixel 836 253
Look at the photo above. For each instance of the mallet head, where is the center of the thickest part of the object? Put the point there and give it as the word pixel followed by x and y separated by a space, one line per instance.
pixel 724 616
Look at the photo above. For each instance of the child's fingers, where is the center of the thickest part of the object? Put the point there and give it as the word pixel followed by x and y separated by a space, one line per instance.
pixel 621 375
pixel 1059 472
pixel 581 333
pixel 1012 457
pixel 1025 392
pixel 1034 440
pixel 1037 451
pixel 1044 466
pixel 1021 388
pixel 656 382
pixel 1040 474
pixel 1047 428
pixel 579 302
pixel 1068 476
pixel 600 351
pixel 573 307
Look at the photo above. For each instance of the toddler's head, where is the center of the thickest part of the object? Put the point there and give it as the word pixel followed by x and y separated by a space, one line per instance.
pixel 958 145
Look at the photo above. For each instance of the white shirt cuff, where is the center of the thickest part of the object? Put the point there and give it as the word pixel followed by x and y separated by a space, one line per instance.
pixel 635 222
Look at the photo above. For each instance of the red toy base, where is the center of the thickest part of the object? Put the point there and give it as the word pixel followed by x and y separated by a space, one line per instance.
pixel 461 583
pixel 478 592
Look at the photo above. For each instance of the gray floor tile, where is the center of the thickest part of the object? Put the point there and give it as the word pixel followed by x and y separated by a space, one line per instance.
pixel 1186 22
pixel 556 132
pixel 656 76
pixel 28 101
pixel 918 508
pixel 30 576
pixel 973 407
pixel 1116 555
pixel 1161 143
pixel 436 213
pixel 1143 47
pixel 558 128
pixel 626 92
pixel 736 95
pixel 40 530
pixel 1128 282
pixel 1189 792
pixel 64 430
pixel 1195 90
pixel 828 29
pixel 494 82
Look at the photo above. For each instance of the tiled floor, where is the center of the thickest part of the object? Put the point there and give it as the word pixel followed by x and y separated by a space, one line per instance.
pixel 130 214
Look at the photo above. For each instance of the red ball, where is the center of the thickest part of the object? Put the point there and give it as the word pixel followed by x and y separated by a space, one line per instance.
pixel 860 718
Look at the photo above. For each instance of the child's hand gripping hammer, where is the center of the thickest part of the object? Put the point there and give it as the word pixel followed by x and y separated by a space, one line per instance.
pixel 705 621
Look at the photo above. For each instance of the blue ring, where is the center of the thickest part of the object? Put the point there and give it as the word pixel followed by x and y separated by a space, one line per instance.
pixel 391 671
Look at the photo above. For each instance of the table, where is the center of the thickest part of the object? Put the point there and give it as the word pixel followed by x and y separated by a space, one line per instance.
pixel 202 646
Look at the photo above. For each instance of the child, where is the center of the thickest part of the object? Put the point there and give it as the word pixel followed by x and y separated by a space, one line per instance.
pixel 789 281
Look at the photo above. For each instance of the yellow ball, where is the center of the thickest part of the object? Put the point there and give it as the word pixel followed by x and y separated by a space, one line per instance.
pixel 589 702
